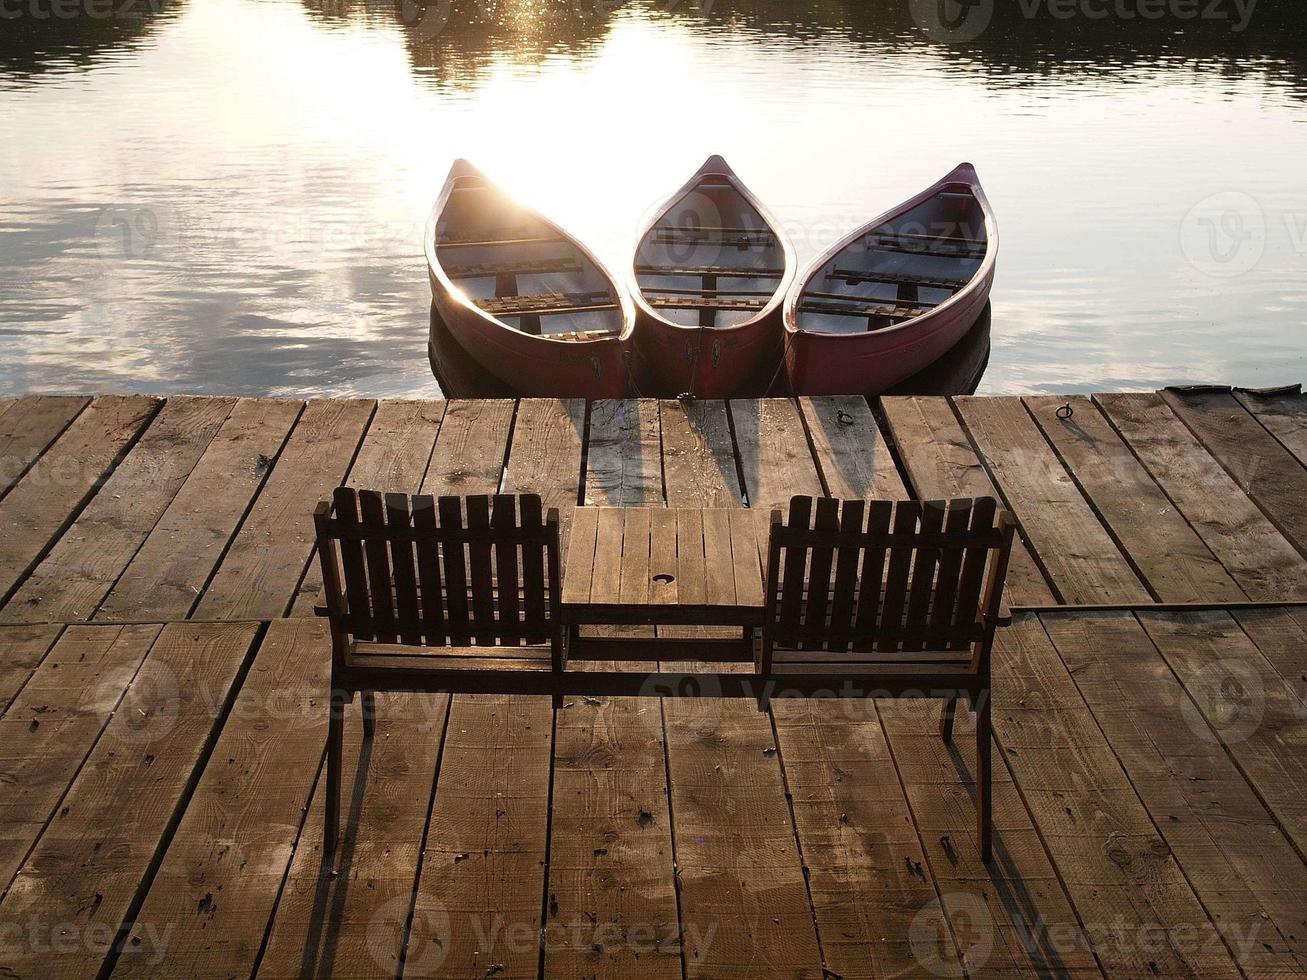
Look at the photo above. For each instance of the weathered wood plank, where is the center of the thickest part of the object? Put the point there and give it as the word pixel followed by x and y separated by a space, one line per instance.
pixel 70 582
pixel 1084 562
pixel 346 918
pixel 694 463
pixel 261 570
pixel 1284 415
pixel 1247 704
pixel 1281 635
pixel 1257 556
pixel 53 724
pixel 733 825
pixel 548 438
pixel 28 427
pixel 1257 461
pixel 1119 872
pixel 852 454
pixel 22 648
pixel 91 861
pixel 942 464
pixel 50 496
pixel 612 898
pixel 165 578
pixel 1251 882
pixel 393 458
pixel 478 902
pixel 214 892
pixel 1174 561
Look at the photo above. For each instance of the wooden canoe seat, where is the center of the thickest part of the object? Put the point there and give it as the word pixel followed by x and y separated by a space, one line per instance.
pixel 887 300
pixel 507 237
pixel 548 304
pixel 868 309
pixel 854 278
pixel 705 303
pixel 732 237
pixel 496 269
pixel 699 271
pixel 940 247
pixel 574 335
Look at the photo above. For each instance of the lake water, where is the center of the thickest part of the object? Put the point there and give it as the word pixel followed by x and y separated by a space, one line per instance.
pixel 228 195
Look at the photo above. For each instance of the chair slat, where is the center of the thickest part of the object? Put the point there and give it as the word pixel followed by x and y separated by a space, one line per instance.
pixel 814 617
pixel 974 562
pixel 504 518
pixel 345 503
pixel 879 514
pixel 907 514
pixel 428 557
pixel 453 564
pixel 795 563
pixel 372 509
pixel 533 569
pixel 956 525
pixel 480 569
pixel 845 588
pixel 923 571
pixel 403 569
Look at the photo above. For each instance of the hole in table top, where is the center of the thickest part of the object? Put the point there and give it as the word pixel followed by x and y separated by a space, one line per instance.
pixel 664 579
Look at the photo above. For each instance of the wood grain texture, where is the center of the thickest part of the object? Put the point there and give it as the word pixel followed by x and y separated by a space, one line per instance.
pixel 165 578
pixel 28 427
pixel 942 464
pixel 262 568
pixel 71 581
pixel 1173 560
pixel 214 892
pixel 92 860
pixel 853 456
pixel 1258 462
pixel 698 461
pixel 1258 557
pixel 1283 414
pixel 1281 636
pixel 1084 562
pixel 45 501
pixel 22 648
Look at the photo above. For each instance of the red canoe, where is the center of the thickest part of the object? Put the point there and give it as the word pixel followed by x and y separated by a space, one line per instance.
pixel 525 299
pixel 709 278
pixel 895 295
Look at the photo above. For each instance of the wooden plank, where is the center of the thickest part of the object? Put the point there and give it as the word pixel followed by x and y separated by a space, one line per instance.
pixel 1251 883
pixel 261 571
pixel 852 454
pixel 733 826
pixel 1082 559
pixel 346 917
pixel 214 892
pixel 1121 875
pixel 1172 558
pixel 22 648
pixel 1283 413
pixel 71 581
pixel 1258 462
pixel 1248 706
pixel 612 898
pixel 165 577
pixel 27 429
pixel 478 899
pixel 1257 556
pixel 53 724
pixel 1281 635
pixel 393 458
pixel 775 460
pixel 89 865
pixel 698 460
pixel 942 464
pixel 34 513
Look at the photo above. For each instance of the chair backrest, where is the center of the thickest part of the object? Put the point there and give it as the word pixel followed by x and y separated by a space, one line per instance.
pixel 899 577
pixel 448 571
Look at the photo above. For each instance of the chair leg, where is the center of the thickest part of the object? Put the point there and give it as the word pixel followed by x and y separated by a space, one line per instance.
pixel 368 704
pixel 335 762
pixel 984 780
pixel 946 716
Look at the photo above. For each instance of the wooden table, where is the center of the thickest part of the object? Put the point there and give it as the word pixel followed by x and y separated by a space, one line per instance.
pixel 654 566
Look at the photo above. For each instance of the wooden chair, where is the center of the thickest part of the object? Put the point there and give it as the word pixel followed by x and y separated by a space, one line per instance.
pixel 897 598
pixel 427 594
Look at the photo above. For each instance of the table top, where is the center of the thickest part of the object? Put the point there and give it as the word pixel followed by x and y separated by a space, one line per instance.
pixel 651 558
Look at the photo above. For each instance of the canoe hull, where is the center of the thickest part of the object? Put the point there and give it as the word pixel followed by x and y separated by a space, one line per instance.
pixel 532 366
pixel 709 363
pixel 870 363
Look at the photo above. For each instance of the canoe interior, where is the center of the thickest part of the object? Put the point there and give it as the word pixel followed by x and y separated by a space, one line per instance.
pixel 710 260
pixel 900 269
pixel 520 269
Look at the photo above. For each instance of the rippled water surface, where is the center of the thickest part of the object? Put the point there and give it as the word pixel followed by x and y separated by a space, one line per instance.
pixel 228 195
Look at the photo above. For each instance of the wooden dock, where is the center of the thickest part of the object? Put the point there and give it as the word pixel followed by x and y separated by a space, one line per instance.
pixel 163 707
